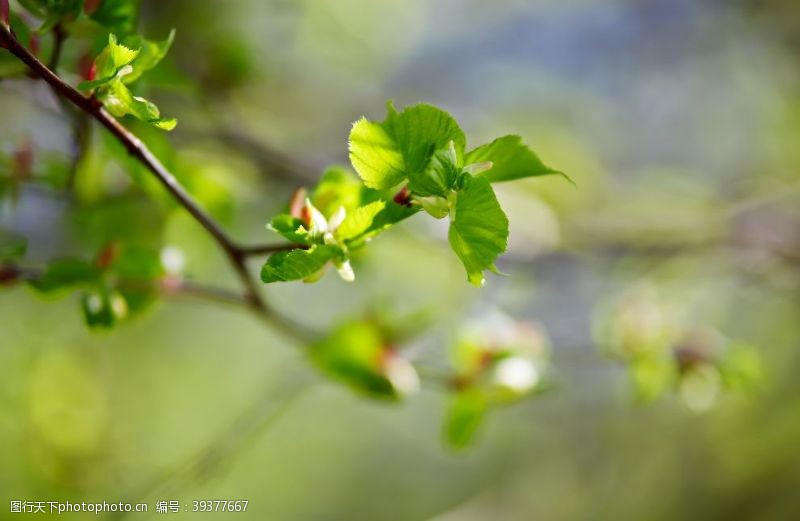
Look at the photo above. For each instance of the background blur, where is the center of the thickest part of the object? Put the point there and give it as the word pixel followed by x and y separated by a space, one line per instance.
pixel 679 121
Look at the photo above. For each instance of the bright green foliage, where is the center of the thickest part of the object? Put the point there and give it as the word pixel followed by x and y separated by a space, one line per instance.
pixel 478 228
pixel 340 216
pixel 119 65
pixel 510 159
pixel 424 147
pixel 385 154
pixel 358 353
pixel 298 264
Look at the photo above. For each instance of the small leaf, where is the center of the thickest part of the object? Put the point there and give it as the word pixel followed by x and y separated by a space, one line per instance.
pixel 150 55
pixel 112 62
pixel 356 353
pixel 464 416
pixel 119 101
pixel 478 228
pixel 103 308
pixel 338 187
pixel 438 177
pixel 297 264
pixel 384 154
pixel 291 228
pixel 66 273
pixel 359 221
pixel 119 16
pixel 375 155
pixel 510 159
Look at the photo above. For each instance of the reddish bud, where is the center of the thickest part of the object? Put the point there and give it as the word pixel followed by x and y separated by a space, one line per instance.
pixel 22 161
pixel 4 12
pixel 86 67
pixel 403 197
pixel 297 202
pixel 107 255
pixel 8 275
pixel 90 6
pixel 35 44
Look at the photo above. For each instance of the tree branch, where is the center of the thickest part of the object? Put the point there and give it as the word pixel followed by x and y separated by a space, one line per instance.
pixel 237 255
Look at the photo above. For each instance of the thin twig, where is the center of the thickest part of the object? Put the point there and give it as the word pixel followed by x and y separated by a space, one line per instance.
pixel 237 255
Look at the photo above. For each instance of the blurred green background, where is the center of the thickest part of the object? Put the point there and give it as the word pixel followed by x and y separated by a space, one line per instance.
pixel 678 121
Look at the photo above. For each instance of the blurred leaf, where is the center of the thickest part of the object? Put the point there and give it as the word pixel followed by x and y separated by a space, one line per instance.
pixel 337 187
pixel 103 308
pixel 297 264
pixel 12 246
pixel 150 55
pixel 465 415
pixel 510 158
pixel 478 228
pixel 356 353
pixel 65 274
pixel 117 16
pixel 741 367
pixel 652 377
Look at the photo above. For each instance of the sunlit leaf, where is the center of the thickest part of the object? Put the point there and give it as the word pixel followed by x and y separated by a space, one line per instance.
pixel 511 159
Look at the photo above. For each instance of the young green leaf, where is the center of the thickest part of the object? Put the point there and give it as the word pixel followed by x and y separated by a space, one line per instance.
pixel 290 228
pixel 150 55
pixel 66 273
pixel 359 221
pixel 510 158
pixel 297 264
pixel 384 154
pixel 119 101
pixel 113 62
pixel 438 177
pixel 117 16
pixel 464 416
pixel 103 308
pixel 357 353
pixel 478 228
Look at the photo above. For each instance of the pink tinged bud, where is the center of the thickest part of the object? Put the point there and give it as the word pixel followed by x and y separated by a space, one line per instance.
pixel 297 203
pixel 4 11
pixel 8 275
pixel 107 255
pixel 23 160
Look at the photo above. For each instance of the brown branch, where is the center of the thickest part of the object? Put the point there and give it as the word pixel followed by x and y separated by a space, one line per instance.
pixel 237 255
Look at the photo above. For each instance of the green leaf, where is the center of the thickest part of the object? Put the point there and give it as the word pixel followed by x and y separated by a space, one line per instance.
pixel 113 62
pixel 511 159
pixel 356 353
pixel 118 16
pixel 438 177
pixel 119 101
pixel 291 228
pixel 297 264
pixel 359 221
pixel 150 55
pixel 478 228
pixel 64 274
pixel 384 154
pixel 375 155
pixel 338 187
pixel 103 308
pixel 12 246
pixel 464 416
